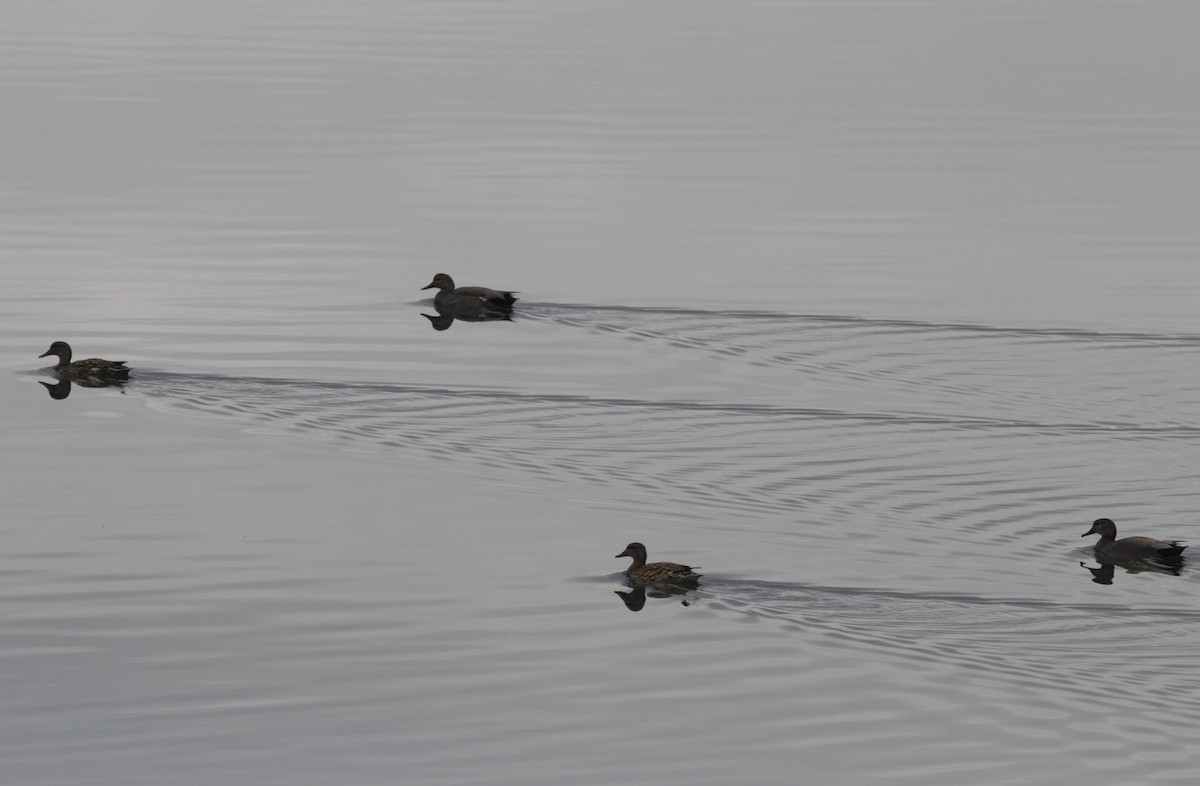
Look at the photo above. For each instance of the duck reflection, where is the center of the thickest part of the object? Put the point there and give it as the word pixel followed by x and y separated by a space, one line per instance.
pixel 62 388
pixel 1105 572
pixel 635 599
pixel 470 312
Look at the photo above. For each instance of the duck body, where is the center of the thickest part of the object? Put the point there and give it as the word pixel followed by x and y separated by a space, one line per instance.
pixel 1133 548
pixel 91 368
pixel 467 299
pixel 657 573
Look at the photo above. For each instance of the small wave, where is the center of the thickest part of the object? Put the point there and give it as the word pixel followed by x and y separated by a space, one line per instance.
pixel 565 311
pixel 1060 652
pixel 707 461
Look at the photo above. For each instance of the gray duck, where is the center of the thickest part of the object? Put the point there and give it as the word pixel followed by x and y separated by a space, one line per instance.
pixel 661 573
pixel 83 369
pixel 1132 548
pixel 450 298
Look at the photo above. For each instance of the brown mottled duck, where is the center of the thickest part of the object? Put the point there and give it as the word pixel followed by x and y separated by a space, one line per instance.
pixel 83 369
pixel 664 573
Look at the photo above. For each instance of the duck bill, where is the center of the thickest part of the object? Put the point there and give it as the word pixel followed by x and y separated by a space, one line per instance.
pixel 45 354
pixel 624 553
pixel 431 286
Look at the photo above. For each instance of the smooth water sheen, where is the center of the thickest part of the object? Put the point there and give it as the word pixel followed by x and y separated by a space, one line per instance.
pixel 867 309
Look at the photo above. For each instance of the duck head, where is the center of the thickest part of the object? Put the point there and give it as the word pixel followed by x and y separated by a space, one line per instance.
pixel 635 550
pixel 441 281
pixel 60 348
pixel 1105 528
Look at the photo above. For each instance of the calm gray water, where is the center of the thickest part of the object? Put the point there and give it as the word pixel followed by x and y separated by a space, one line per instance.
pixel 868 309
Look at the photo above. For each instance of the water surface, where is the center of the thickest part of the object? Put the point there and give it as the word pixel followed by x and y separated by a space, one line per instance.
pixel 868 309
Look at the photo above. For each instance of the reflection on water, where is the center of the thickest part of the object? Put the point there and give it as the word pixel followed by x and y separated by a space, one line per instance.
pixel 1106 570
pixel 1104 573
pixel 481 312
pixel 635 599
pixel 62 388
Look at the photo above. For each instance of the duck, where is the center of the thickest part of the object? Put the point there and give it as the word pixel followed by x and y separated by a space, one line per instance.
pixel 83 369
pixel 450 297
pixel 1133 548
pixel 656 573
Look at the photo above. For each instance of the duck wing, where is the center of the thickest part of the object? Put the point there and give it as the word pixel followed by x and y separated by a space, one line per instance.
pixel 1139 545
pixel 100 367
pixel 496 296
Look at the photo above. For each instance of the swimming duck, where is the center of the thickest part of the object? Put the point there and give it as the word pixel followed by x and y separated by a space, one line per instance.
pixel 1133 548
pixel 80 369
pixel 656 572
pixel 450 297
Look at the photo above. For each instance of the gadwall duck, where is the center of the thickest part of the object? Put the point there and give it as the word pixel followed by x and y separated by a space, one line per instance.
pixel 464 298
pixel 1133 548
pixel 81 369
pixel 665 573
